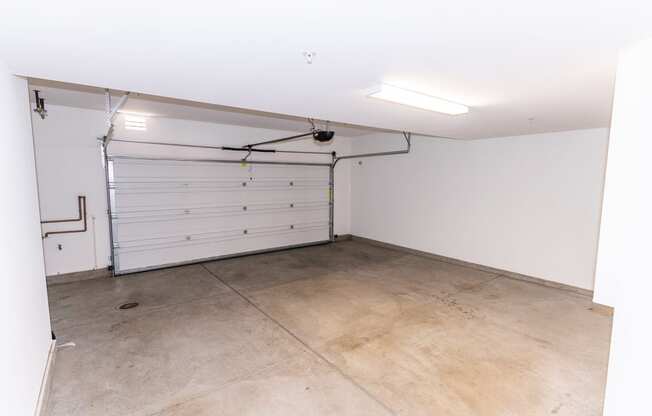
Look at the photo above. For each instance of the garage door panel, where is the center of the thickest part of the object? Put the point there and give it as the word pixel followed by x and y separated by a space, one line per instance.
pixel 137 258
pixel 182 200
pixel 132 168
pixel 290 196
pixel 155 212
pixel 127 200
pixel 285 171
pixel 142 227
pixel 166 212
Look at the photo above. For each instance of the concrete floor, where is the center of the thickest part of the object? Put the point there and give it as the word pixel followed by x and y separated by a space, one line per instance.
pixel 342 329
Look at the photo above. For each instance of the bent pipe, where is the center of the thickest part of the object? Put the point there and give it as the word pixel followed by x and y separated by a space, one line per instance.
pixel 82 208
pixel 81 200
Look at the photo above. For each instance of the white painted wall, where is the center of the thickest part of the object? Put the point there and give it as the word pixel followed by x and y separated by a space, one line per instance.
pixel 527 204
pixel 627 176
pixel 69 164
pixel 623 275
pixel 24 316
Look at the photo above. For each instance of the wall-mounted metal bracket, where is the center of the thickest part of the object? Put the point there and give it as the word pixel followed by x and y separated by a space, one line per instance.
pixel 40 105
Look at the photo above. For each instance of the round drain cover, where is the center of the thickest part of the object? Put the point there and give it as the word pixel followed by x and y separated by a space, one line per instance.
pixel 128 305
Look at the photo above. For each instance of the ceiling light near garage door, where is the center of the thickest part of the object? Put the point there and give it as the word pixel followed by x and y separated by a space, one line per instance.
pixel 135 123
pixel 418 100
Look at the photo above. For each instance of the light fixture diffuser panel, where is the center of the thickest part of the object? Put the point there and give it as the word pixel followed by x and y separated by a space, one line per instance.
pixel 418 100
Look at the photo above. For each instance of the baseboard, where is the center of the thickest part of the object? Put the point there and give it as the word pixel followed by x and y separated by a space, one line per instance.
pixel 44 393
pixel 77 276
pixel 602 309
pixel 506 273
pixel 343 237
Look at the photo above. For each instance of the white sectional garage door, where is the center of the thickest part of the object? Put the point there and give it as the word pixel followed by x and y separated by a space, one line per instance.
pixel 166 212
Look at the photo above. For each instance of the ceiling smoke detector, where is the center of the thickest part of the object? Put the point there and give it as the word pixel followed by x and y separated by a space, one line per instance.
pixel 309 56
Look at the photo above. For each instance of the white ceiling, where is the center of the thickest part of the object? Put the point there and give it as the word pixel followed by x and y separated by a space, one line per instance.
pixel 72 95
pixel 509 60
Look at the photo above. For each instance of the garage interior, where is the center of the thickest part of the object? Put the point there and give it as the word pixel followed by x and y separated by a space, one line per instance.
pixel 204 215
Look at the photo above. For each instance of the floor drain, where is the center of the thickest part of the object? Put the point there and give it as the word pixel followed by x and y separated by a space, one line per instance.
pixel 128 305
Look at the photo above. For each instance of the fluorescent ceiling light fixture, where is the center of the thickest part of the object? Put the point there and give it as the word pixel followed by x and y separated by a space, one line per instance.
pixel 418 100
pixel 135 123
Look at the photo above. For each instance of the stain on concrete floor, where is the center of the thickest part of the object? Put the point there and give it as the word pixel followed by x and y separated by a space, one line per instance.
pixel 342 329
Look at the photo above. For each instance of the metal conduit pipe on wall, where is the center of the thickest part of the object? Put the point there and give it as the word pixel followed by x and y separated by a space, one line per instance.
pixel 81 206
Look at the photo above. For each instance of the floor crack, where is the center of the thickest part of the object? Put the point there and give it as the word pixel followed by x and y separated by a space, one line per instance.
pixel 302 342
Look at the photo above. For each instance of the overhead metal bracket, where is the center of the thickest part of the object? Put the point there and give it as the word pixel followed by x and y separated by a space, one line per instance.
pixel 314 132
pixel 111 112
pixel 282 139
pixel 408 141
